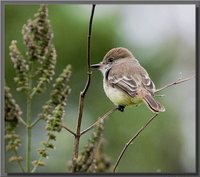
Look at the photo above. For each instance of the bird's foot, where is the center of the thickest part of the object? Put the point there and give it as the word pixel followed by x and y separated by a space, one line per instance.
pixel 121 108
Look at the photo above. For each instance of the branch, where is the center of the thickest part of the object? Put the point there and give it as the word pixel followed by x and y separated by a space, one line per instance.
pixel 22 121
pixel 69 130
pixel 40 158
pixel 83 93
pixel 178 81
pixel 35 122
pixel 131 140
pixel 101 119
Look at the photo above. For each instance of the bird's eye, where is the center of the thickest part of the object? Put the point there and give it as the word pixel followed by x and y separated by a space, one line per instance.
pixel 110 60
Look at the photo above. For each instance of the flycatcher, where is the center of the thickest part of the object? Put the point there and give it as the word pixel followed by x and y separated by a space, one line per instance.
pixel 126 82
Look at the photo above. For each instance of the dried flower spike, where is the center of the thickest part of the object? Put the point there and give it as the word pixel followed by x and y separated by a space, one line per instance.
pixel 21 67
pixel 60 89
pixel 37 35
pixel 54 122
pixel 15 158
pixel 86 160
pixel 12 110
pixel 42 152
pixel 12 141
pixel 38 163
pixel 51 136
pixel 46 71
pixel 102 162
pixel 59 94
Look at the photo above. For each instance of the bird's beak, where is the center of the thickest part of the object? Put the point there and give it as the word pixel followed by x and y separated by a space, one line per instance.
pixel 95 65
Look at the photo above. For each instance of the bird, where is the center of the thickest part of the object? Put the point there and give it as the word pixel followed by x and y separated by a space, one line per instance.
pixel 126 82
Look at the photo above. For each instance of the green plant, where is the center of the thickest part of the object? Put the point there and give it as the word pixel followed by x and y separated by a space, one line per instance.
pixel 33 73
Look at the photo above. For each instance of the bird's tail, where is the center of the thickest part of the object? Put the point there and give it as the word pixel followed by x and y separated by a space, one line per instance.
pixel 152 104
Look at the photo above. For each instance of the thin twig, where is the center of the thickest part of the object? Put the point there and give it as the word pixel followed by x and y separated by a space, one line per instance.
pixel 102 118
pixel 178 81
pixel 89 53
pixel 131 140
pixel 83 93
pixel 66 128
pixel 28 120
pixel 22 121
pixel 36 166
pixel 40 158
pixel 19 161
pixel 35 122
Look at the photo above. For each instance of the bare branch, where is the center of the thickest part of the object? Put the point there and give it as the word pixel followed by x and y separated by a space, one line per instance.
pixel 69 130
pixel 101 119
pixel 178 81
pixel 89 53
pixel 131 140
pixel 83 93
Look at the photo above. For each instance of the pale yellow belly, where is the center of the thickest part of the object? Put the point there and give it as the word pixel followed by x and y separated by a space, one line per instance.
pixel 119 97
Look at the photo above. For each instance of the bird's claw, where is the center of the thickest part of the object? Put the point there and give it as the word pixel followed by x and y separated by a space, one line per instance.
pixel 121 108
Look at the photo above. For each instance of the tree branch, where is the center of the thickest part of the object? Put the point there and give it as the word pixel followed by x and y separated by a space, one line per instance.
pixel 102 118
pixel 131 140
pixel 178 81
pixel 83 93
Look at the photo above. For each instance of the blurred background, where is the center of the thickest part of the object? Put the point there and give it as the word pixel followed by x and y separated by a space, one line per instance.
pixel 162 38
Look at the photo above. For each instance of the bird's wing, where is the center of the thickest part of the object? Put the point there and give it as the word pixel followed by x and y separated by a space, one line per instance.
pixel 126 84
pixel 131 80
pixel 147 83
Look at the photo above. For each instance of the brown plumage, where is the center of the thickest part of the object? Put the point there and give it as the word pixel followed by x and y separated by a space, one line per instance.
pixel 126 82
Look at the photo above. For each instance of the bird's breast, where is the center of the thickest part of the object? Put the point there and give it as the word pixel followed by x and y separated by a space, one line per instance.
pixel 117 96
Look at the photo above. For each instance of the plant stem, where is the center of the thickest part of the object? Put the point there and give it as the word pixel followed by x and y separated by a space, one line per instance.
pixel 28 150
pixel 78 129
pixel 35 122
pixel 178 81
pixel 131 140
pixel 83 93
pixel 28 120
pixel 22 121
pixel 19 162
pixel 102 118
pixel 68 129
pixel 36 166
pixel 40 158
